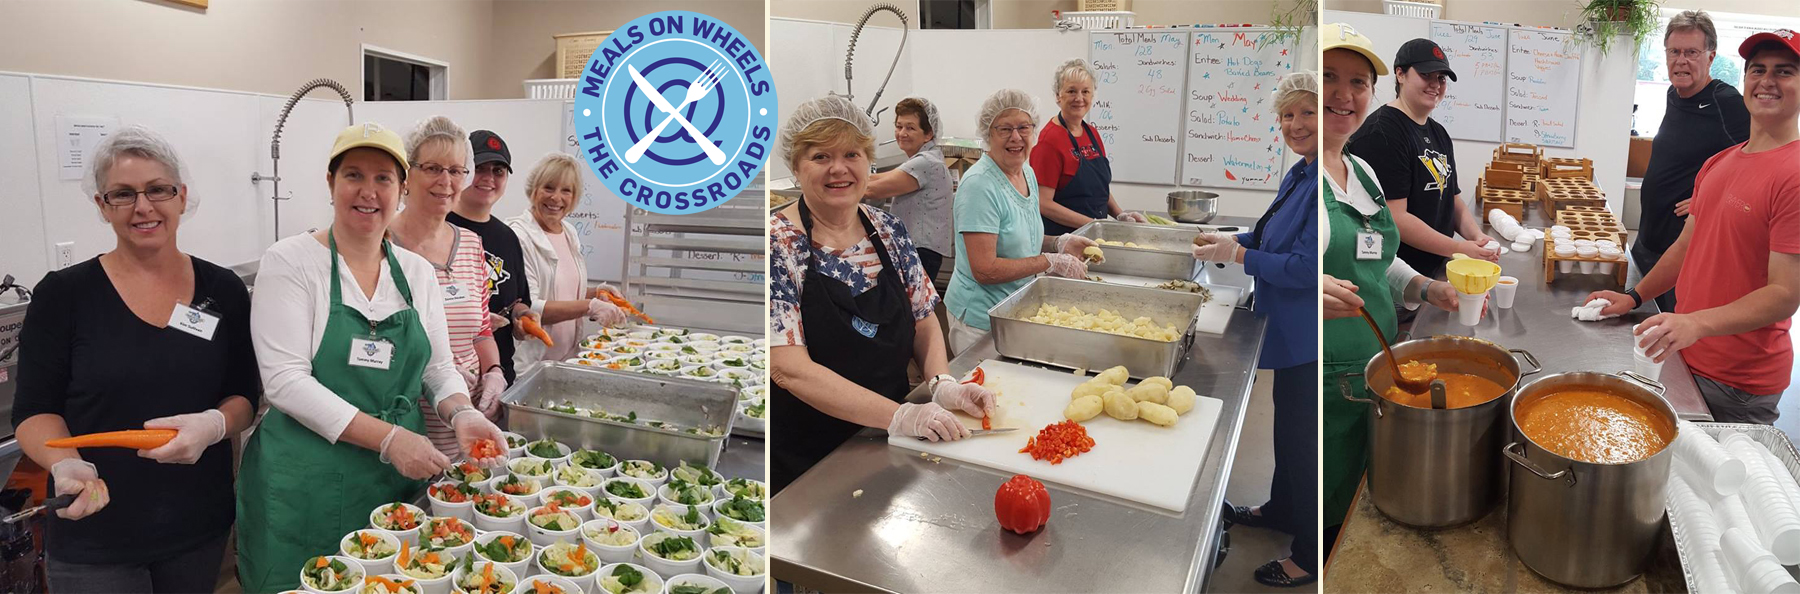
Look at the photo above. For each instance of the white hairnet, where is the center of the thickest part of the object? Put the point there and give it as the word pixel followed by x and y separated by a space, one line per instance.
pixel 931 115
pixel 1001 101
pixel 1068 70
pixel 1298 82
pixel 829 107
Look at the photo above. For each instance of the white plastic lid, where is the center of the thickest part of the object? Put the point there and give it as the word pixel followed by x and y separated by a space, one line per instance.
pixel 1586 251
pixel 1565 250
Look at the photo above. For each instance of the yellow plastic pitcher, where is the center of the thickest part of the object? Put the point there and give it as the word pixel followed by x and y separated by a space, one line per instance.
pixel 1471 276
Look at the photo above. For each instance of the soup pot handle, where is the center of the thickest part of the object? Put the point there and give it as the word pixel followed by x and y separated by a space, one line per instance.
pixel 1519 458
pixel 1344 388
pixel 1529 358
pixel 1635 377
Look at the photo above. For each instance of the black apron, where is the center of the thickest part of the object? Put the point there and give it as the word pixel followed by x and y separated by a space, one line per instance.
pixel 867 339
pixel 1090 191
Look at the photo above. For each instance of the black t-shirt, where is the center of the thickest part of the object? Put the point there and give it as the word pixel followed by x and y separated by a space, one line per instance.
pixel 506 276
pixel 1692 131
pixel 84 355
pixel 1415 163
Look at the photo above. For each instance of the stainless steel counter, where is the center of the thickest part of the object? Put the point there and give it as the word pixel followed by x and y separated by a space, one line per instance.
pixel 1539 322
pixel 925 526
pixel 742 458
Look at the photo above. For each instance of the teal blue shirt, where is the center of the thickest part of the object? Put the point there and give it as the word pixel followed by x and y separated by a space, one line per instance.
pixel 987 203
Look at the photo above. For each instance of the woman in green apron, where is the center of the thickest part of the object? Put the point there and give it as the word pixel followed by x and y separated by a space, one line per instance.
pixel 348 335
pixel 1360 241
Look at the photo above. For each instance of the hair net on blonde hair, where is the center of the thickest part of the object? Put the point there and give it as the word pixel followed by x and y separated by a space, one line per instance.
pixel 829 107
pixel 1293 87
pixel 931 120
pixel 1070 69
pixel 136 141
pixel 998 103
pixel 437 128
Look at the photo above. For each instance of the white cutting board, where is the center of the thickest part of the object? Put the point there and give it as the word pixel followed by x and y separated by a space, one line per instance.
pixel 1213 316
pixel 1135 461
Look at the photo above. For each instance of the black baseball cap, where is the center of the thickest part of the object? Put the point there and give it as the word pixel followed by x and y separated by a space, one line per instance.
pixel 490 148
pixel 1423 56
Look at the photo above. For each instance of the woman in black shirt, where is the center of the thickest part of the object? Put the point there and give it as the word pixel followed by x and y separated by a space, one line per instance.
pixel 143 336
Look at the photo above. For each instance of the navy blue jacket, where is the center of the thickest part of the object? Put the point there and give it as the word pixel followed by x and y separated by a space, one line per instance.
pixel 1284 260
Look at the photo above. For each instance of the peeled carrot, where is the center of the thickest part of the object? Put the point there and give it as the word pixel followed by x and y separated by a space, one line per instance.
pixel 626 305
pixel 531 326
pixel 136 439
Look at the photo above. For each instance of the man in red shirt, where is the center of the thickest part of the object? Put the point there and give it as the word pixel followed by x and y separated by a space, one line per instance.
pixel 1733 307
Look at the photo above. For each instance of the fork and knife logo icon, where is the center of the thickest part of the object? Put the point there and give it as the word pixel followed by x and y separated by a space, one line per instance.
pixel 701 86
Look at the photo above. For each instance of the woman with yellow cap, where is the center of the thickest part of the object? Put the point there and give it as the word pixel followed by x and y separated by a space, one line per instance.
pixel 348 334
pixel 1360 240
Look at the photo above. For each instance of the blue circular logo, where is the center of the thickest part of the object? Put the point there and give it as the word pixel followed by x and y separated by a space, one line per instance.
pixel 675 112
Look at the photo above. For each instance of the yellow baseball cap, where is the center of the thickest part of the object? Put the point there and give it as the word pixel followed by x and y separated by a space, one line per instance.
pixel 1342 36
pixel 371 135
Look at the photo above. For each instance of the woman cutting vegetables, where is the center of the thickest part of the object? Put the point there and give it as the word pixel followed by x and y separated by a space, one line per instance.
pixel 350 333
pixel 554 266
pixel 156 519
pixel 1360 241
pixel 849 305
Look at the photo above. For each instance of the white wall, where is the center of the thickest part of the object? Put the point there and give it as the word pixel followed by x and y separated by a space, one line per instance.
pixel 957 70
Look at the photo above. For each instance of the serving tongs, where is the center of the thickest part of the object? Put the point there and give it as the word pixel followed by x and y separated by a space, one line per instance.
pixel 49 505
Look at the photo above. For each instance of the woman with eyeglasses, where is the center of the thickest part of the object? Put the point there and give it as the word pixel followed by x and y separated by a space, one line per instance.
pixel 94 336
pixel 554 266
pixel 1000 239
pixel 437 150
pixel 1074 175
pixel 350 333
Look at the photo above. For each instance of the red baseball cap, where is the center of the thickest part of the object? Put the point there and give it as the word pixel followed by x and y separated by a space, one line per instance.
pixel 1784 37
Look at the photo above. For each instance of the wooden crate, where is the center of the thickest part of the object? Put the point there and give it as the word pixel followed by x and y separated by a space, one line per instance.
pixel 1554 194
pixel 1508 200
pixel 1501 174
pixel 1524 154
pixel 573 51
pixel 1551 259
pixel 1592 225
pixel 1562 168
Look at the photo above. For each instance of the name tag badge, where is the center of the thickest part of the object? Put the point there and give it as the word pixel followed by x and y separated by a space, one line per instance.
pixel 372 352
pixel 193 321
pixel 864 327
pixel 455 293
pixel 1368 245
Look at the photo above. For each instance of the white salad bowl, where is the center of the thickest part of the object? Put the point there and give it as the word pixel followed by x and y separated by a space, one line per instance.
pixel 439 507
pixel 480 566
pixel 712 584
pixel 409 535
pixel 654 582
pixel 662 476
pixel 664 566
pixel 741 584
pixel 371 566
pixel 610 553
pixel 698 534
pixel 350 564
pixel 544 537
pixel 520 567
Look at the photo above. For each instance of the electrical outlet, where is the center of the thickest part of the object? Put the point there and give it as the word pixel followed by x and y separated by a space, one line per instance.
pixel 65 255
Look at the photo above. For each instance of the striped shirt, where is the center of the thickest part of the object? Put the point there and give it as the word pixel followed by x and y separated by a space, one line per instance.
pixel 464 286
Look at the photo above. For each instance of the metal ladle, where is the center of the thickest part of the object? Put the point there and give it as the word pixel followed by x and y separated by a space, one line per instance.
pixel 1411 386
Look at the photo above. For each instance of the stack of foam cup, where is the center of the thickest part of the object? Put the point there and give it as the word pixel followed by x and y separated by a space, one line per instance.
pixel 1612 255
pixel 1772 513
pixel 1779 469
pixel 1699 535
pixel 1757 571
pixel 1586 252
pixel 1710 468
pixel 1642 362
pixel 1565 250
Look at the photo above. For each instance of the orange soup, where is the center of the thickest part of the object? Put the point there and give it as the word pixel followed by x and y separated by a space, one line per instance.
pixel 1592 425
pixel 1461 390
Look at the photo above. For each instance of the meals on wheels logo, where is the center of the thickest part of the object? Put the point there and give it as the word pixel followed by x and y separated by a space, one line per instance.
pixel 675 112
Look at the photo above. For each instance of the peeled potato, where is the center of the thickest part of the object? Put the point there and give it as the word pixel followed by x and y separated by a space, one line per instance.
pixel 1157 413
pixel 1149 392
pixel 1116 376
pixel 1084 408
pixel 1094 252
pixel 1093 387
pixel 1166 384
pixel 1120 406
pixel 1181 399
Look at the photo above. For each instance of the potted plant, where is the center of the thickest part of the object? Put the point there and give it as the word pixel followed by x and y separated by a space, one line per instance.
pixel 1605 20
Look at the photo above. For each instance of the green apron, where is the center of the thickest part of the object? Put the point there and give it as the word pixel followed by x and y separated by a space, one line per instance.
pixel 298 493
pixel 1349 344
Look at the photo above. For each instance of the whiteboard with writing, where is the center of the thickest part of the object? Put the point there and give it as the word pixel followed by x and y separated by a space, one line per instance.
pixel 1544 75
pixel 599 217
pixel 1472 108
pixel 1137 99
pixel 1233 137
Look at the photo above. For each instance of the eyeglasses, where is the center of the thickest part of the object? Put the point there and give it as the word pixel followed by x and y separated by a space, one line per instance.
pixel 1008 132
pixel 1689 53
pixel 434 170
pixel 128 196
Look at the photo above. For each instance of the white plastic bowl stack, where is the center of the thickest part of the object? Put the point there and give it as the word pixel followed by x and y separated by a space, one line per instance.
pixel 1699 535
pixel 1708 467
pixel 1776 521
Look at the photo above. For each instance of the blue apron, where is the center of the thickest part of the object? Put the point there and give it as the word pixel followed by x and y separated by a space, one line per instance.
pixel 1089 192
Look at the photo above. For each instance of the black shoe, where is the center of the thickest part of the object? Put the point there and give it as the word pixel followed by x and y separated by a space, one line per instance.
pixel 1271 574
pixel 1241 516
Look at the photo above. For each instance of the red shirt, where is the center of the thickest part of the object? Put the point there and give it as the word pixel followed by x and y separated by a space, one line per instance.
pixel 1745 206
pixel 1053 158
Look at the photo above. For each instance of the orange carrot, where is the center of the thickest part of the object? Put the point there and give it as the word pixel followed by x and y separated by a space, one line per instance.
pixel 626 305
pixel 321 563
pixel 405 555
pixel 136 439
pixel 531 326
